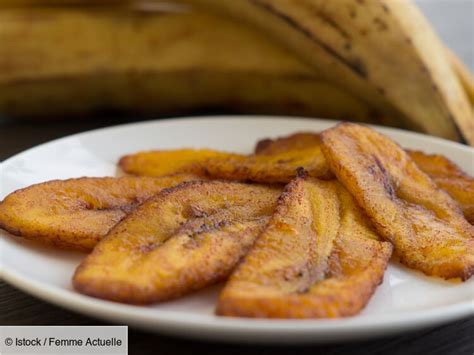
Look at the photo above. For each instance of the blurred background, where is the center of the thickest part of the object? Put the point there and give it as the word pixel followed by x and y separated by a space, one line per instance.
pixel 56 77
pixel 454 22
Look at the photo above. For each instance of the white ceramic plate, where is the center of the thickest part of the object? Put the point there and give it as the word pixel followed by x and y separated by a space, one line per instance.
pixel 405 301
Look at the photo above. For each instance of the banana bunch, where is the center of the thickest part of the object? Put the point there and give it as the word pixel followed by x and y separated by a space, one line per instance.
pixel 64 61
pixel 375 61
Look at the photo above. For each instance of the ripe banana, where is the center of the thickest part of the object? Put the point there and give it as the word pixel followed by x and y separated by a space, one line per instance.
pixel 382 51
pixel 464 75
pixel 150 57
pixel 78 60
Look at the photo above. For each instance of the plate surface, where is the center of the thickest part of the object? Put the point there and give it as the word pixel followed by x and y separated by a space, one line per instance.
pixel 405 301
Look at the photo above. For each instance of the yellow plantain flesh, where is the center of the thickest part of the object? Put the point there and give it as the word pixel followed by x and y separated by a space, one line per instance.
pixel 167 162
pixel 316 258
pixel 277 168
pixel 181 240
pixel 447 175
pixel 77 213
pixel 425 225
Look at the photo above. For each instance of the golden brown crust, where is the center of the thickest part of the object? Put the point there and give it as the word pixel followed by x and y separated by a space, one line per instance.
pixel 167 162
pixel 294 141
pixel 423 222
pixel 273 168
pixel 276 168
pixel 283 274
pixel 77 213
pixel 449 177
pixel 446 174
pixel 183 239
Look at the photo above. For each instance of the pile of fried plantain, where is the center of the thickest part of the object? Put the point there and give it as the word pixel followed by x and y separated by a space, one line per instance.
pixel 316 248
pixel 276 161
pixel 318 257
pixel 425 225
pixel 446 174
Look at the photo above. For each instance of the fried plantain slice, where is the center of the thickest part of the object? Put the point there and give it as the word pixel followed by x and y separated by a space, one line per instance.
pixel 167 162
pixel 283 275
pixel 447 175
pixel 277 168
pixel 181 240
pixel 77 213
pixel 424 223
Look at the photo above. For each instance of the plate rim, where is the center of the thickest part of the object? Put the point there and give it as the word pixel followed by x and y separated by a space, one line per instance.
pixel 199 326
pixel 182 119
pixel 350 328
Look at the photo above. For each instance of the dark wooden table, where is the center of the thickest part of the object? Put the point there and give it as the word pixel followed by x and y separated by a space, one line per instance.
pixel 18 308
